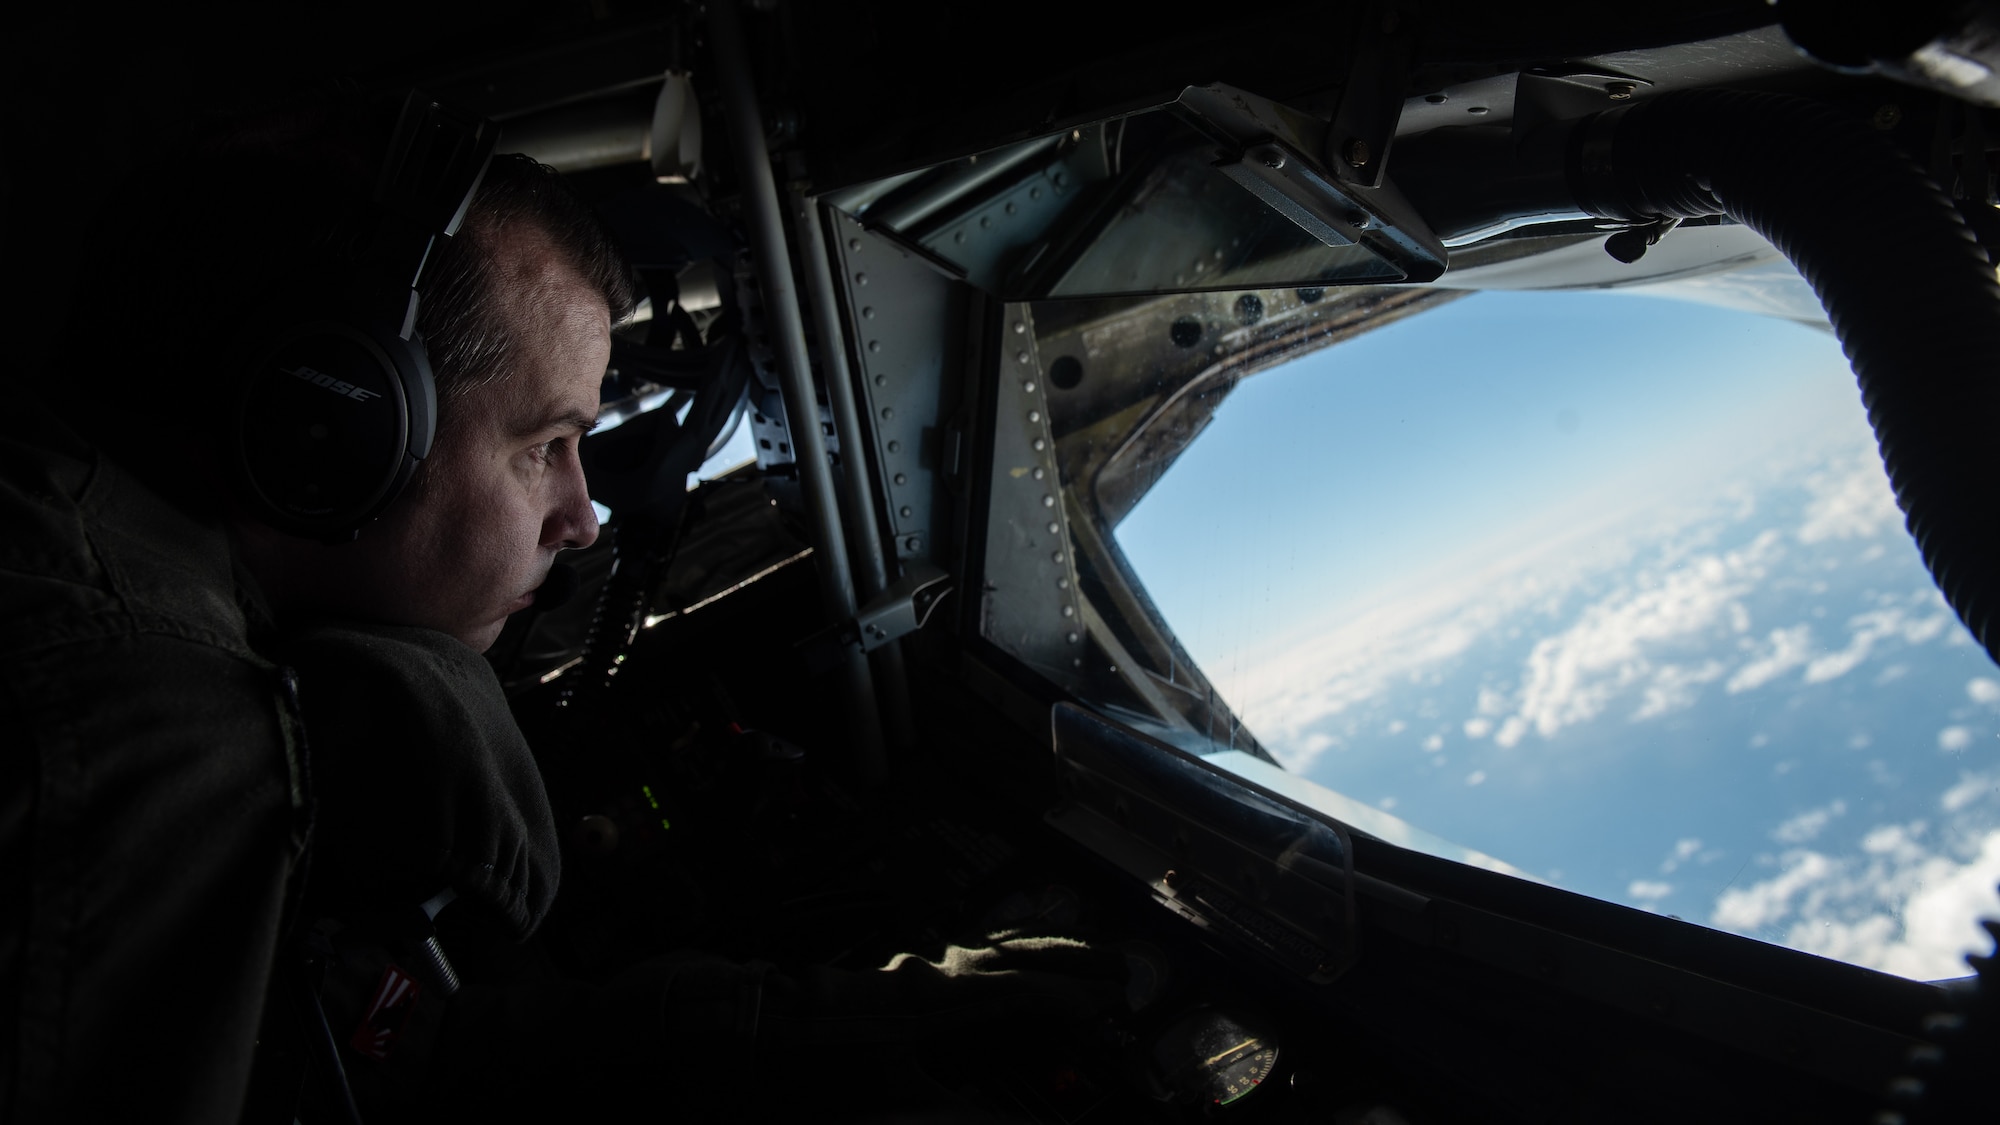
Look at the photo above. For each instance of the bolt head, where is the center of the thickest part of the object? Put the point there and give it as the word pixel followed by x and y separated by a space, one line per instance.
pixel 1356 153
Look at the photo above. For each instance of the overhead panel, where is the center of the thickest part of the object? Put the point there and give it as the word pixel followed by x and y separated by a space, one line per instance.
pixel 1217 190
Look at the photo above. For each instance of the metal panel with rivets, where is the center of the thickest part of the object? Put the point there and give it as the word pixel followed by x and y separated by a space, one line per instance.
pixel 900 306
pixel 1029 605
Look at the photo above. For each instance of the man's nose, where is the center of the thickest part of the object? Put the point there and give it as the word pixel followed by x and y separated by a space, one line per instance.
pixel 572 523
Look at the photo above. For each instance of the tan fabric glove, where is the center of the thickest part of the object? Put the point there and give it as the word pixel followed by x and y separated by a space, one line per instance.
pixel 966 992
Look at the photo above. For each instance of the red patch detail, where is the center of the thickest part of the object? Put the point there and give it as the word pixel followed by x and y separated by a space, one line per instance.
pixel 395 997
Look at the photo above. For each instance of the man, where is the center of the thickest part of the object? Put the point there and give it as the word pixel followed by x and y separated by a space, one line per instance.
pixel 271 838
pixel 157 795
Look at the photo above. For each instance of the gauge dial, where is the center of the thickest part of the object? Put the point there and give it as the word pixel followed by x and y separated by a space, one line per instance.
pixel 1213 1058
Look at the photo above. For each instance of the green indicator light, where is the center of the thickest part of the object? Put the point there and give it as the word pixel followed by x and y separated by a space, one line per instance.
pixel 664 824
pixel 648 791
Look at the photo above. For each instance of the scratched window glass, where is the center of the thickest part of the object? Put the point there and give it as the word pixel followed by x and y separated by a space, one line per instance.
pixel 1606 585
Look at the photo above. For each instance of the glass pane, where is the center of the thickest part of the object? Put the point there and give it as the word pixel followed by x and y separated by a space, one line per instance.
pixel 1610 587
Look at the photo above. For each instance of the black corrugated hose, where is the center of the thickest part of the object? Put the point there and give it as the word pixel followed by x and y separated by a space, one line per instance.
pixel 1909 290
pixel 1914 301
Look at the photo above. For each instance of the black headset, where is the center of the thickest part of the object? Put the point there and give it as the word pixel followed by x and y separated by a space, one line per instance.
pixel 335 404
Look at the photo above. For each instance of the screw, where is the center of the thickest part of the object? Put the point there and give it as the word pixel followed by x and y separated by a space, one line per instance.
pixel 1357 152
pixel 1270 156
pixel 1888 116
pixel 913 544
pixel 1620 91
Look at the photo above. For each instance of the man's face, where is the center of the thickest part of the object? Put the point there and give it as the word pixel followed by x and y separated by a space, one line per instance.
pixel 503 491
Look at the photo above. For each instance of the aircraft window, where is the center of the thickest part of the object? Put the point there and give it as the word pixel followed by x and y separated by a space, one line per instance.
pixel 1607 585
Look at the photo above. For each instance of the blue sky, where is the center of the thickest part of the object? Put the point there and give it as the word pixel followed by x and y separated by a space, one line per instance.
pixel 1340 473
pixel 1610 587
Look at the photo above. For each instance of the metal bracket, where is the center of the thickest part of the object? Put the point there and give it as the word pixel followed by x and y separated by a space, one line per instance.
pixel 1371 104
pixel 903 607
pixel 1269 149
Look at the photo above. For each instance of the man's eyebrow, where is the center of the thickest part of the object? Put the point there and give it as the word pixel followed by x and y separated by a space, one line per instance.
pixel 563 419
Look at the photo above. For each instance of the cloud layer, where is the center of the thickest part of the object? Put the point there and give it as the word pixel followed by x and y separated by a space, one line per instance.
pixel 1903 901
pixel 1729 602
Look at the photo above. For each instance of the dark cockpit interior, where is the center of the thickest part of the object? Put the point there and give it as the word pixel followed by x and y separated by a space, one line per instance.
pixel 967 282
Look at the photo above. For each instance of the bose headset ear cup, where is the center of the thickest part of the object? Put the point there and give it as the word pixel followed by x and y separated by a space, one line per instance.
pixel 332 413
pixel 330 423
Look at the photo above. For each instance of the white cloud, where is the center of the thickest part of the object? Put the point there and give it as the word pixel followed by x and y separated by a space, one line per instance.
pixel 1983 689
pixel 1572 676
pixel 1746 909
pixel 1971 787
pixel 1398 726
pixel 1850 499
pixel 1325 665
pixel 1648 890
pixel 1866 630
pixel 1908 902
pixel 1784 650
pixel 1386 803
pixel 1434 743
pixel 1955 739
pixel 1674 687
pixel 1683 851
pixel 1806 825
pixel 1628 647
pixel 1476 777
